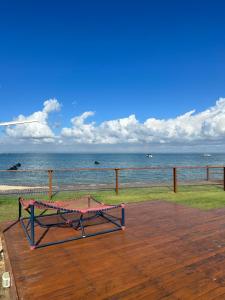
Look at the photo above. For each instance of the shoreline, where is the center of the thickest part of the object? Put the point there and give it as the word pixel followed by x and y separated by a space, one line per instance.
pixel 20 187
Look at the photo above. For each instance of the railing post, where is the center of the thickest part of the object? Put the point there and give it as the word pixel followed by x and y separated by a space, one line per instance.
pixel 224 178
pixel 207 173
pixel 50 183
pixel 175 180
pixel 117 181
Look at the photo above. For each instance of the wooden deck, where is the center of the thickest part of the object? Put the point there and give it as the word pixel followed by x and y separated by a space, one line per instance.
pixel 167 251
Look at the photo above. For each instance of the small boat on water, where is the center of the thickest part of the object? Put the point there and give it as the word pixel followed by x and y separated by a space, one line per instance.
pixel 149 155
pixel 207 155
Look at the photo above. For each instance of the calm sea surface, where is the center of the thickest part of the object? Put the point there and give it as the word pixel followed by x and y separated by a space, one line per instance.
pixel 63 161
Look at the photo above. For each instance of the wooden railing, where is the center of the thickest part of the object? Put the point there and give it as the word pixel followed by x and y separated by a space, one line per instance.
pixel 210 171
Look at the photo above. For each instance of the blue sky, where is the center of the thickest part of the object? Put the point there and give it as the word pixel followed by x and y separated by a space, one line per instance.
pixel 153 59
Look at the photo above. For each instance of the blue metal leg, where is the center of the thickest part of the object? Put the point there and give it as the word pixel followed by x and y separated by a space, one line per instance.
pixel 20 210
pixel 32 226
pixel 82 227
pixel 123 218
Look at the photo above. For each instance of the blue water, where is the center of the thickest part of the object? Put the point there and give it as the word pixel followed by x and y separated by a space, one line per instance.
pixel 33 161
pixel 57 161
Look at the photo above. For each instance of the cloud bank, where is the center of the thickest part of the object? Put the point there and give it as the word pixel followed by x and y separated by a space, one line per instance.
pixel 208 125
pixel 190 128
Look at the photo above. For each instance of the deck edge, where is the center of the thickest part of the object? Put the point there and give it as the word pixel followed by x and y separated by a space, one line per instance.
pixel 13 288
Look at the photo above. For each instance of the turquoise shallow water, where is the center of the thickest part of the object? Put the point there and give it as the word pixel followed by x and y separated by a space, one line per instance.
pixel 32 161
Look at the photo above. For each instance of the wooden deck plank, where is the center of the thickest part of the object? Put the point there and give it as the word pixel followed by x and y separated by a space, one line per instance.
pixel 167 251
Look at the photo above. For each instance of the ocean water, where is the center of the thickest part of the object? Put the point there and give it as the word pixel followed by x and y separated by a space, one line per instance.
pixel 34 161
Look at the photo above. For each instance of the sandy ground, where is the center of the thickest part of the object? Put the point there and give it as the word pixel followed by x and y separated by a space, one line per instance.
pixel 4 293
pixel 19 187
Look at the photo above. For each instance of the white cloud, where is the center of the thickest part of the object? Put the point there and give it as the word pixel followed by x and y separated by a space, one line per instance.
pixel 186 130
pixel 205 126
pixel 51 105
pixel 41 129
pixel 108 132
pixel 83 133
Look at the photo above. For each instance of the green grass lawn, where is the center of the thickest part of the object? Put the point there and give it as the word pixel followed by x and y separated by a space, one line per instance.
pixel 202 197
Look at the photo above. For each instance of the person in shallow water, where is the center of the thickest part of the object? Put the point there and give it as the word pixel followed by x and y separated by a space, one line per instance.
pixel 15 167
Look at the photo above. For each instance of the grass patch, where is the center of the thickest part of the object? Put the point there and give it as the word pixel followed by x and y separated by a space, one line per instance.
pixel 203 197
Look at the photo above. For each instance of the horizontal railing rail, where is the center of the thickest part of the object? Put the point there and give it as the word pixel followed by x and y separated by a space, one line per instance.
pixel 110 169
